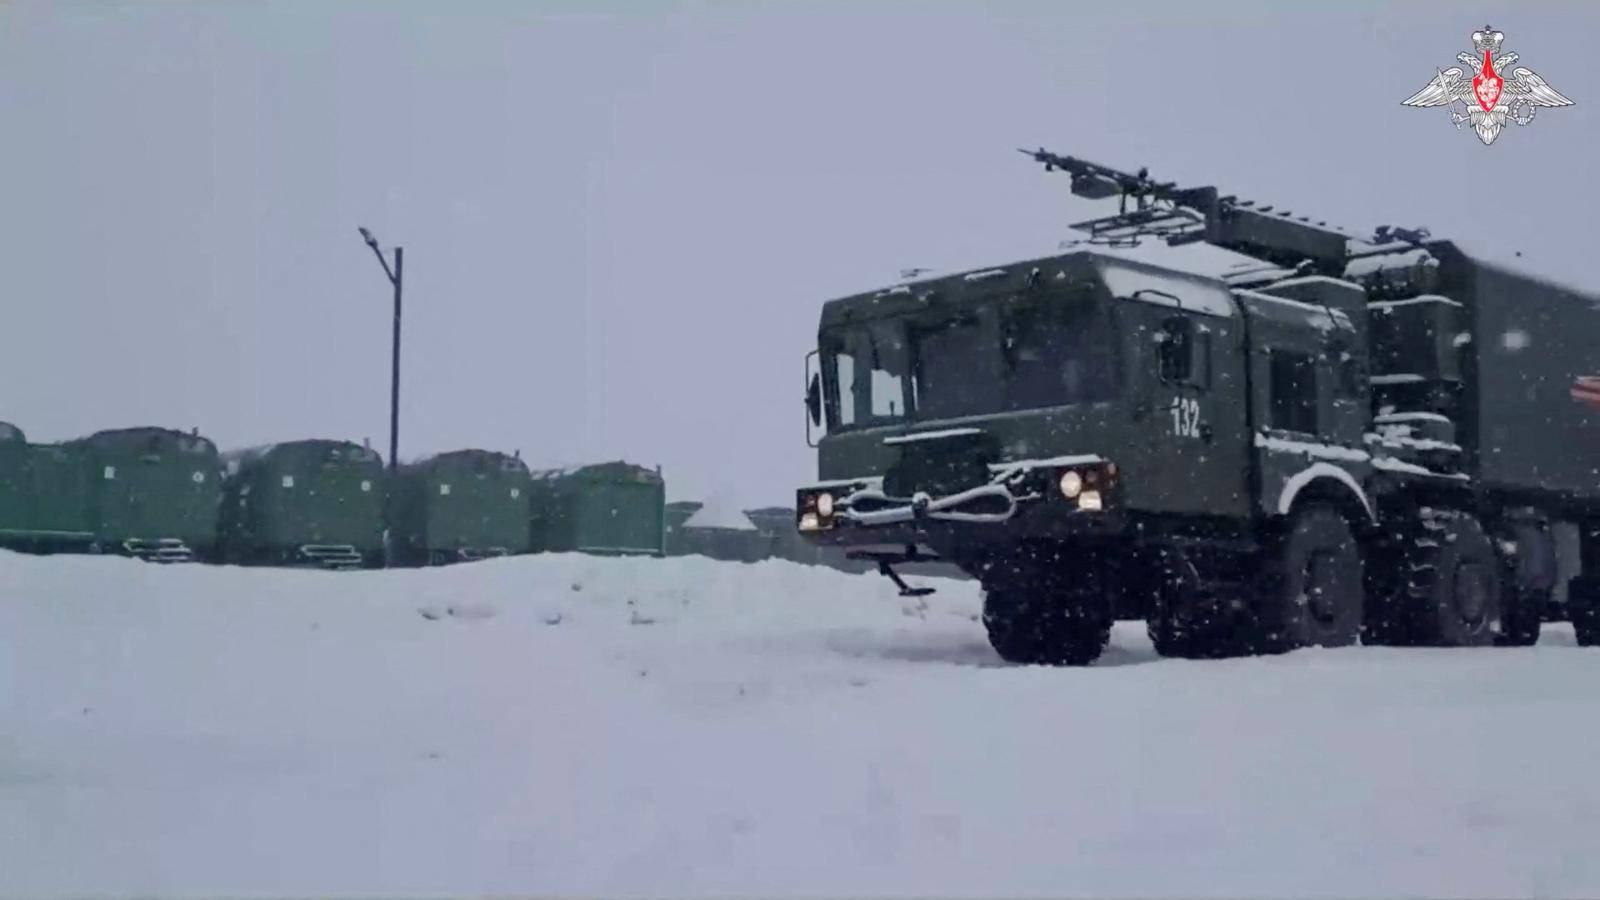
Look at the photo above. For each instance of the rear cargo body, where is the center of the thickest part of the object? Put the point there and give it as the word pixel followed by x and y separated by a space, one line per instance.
pixel 462 505
pixel 44 495
pixel 611 508
pixel 1524 345
pixel 304 502
pixel 154 492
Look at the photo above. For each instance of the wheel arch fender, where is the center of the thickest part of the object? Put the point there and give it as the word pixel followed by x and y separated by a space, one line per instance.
pixel 1325 482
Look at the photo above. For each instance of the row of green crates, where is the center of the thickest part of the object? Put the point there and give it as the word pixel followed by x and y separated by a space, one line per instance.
pixel 167 495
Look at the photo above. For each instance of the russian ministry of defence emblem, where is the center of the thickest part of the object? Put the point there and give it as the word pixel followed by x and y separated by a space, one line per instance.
pixel 1488 97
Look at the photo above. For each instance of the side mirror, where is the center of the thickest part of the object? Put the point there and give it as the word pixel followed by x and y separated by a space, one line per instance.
pixel 813 397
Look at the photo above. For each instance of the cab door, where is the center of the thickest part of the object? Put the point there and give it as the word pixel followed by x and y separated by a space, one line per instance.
pixel 1192 381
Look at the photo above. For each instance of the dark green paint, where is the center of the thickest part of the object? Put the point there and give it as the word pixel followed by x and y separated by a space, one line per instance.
pixel 611 508
pixel 460 505
pixel 297 501
pixel 148 485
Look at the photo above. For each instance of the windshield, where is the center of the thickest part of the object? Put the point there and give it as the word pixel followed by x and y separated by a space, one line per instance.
pixel 958 366
pixel 1004 356
pixel 865 372
pixel 1059 353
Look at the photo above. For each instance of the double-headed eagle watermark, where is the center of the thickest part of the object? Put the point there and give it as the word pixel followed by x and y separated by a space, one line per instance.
pixel 1490 99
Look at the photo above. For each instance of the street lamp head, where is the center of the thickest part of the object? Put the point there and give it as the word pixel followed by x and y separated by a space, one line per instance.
pixel 367 236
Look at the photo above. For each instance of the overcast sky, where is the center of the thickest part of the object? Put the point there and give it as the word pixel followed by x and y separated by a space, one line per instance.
pixel 621 220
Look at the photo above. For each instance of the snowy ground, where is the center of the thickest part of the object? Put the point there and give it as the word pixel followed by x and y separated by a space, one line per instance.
pixel 687 727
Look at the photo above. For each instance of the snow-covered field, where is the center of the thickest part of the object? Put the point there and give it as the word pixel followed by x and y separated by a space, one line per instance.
pixel 566 725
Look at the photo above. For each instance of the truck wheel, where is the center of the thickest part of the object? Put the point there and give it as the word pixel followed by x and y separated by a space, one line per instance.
pixel 1451 581
pixel 1039 626
pixel 1187 618
pixel 1586 626
pixel 1521 617
pixel 1311 592
pixel 1583 608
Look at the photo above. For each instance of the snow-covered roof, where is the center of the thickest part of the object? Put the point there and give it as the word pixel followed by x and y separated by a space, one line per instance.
pixel 1363 267
pixel 555 472
pixel 258 451
pixel 720 514
pixel 1145 283
pixel 617 467
pixel 1321 315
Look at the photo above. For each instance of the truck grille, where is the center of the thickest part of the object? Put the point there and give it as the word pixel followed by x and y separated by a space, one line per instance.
pixel 941 467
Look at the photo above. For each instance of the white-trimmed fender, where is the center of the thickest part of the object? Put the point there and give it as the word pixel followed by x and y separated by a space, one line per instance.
pixel 1293 485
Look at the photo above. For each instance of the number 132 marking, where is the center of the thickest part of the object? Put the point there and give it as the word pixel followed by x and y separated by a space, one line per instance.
pixel 1185 417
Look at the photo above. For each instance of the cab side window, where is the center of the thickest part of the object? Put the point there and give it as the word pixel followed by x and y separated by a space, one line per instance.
pixel 1292 386
pixel 1349 380
pixel 1184 354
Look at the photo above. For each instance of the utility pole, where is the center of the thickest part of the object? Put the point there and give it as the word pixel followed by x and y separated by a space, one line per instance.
pixel 396 277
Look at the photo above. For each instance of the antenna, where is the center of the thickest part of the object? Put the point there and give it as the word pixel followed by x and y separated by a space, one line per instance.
pixel 1155 209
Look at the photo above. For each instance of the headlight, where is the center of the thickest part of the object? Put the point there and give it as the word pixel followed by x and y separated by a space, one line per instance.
pixel 1089 500
pixel 1071 484
pixel 808 522
pixel 824 505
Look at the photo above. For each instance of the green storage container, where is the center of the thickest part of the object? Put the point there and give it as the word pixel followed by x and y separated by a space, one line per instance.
pixel 153 492
pixel 462 505
pixel 312 502
pixel 16 486
pixel 44 495
pixel 614 509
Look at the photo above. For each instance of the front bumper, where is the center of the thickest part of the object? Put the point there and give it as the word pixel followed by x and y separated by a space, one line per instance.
pixel 1024 499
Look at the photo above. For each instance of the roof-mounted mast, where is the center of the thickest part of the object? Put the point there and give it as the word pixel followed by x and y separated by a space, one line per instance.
pixel 1150 208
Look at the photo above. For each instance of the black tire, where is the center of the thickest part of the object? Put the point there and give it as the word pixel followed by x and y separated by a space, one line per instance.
pixel 1527 578
pixel 1586 626
pixel 1311 592
pixel 1038 625
pixel 1521 617
pixel 1451 581
pixel 1186 619
pixel 1583 608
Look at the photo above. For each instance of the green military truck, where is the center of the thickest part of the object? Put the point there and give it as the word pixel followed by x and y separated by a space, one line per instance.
pixel 1342 440
pixel 610 509
pixel 311 502
pixel 459 506
pixel 152 492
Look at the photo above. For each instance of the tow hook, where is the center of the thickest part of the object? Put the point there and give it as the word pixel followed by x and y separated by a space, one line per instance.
pixel 920 501
pixel 887 560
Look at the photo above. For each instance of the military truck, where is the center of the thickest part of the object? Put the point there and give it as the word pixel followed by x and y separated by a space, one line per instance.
pixel 1343 439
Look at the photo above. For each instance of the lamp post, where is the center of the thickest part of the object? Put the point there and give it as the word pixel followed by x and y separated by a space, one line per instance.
pixel 396 275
